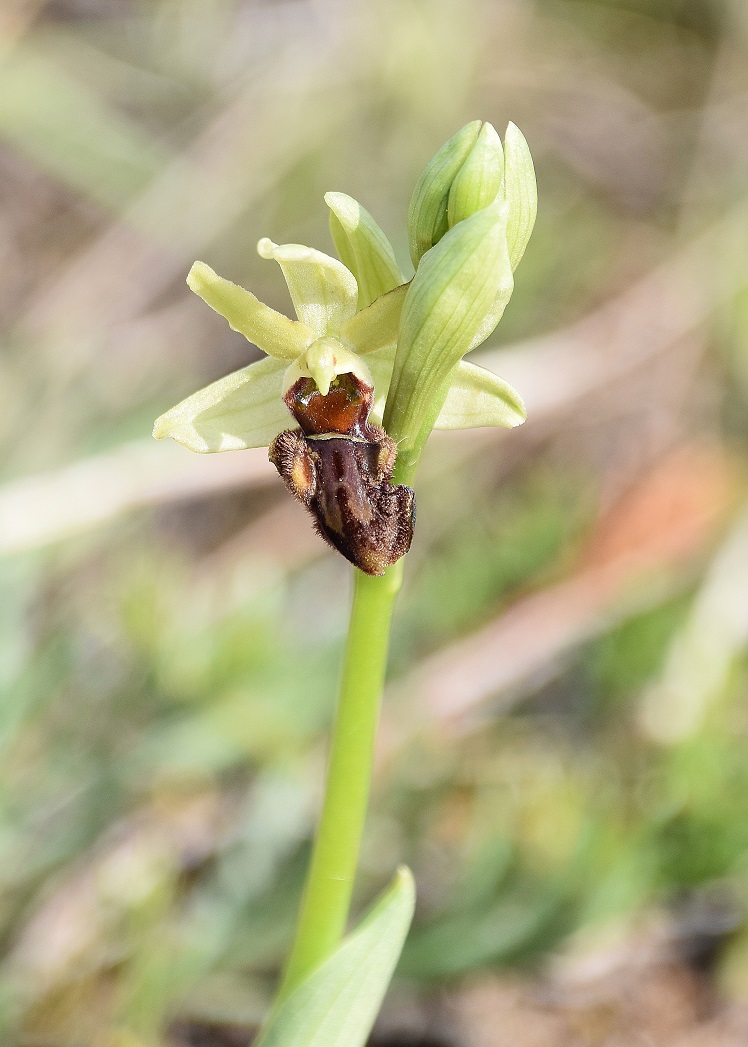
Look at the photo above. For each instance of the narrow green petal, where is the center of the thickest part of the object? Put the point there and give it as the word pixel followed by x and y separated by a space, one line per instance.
pixel 269 330
pixel 323 291
pixel 478 397
pixel 478 181
pixel 521 191
pixel 427 213
pixel 376 327
pixel 363 247
pixel 242 410
pixel 449 308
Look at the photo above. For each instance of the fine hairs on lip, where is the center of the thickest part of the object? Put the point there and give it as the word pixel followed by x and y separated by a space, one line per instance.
pixel 338 465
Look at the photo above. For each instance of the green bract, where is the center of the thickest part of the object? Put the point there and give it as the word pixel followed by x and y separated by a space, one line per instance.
pixel 453 303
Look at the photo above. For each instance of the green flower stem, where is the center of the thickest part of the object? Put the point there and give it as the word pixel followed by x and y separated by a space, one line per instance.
pixel 329 885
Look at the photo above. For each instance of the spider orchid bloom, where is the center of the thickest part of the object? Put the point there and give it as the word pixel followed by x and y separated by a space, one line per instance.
pixel 348 321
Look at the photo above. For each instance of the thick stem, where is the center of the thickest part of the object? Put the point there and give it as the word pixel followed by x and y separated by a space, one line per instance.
pixel 327 895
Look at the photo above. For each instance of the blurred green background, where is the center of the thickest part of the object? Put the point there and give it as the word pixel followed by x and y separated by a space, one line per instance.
pixel 564 750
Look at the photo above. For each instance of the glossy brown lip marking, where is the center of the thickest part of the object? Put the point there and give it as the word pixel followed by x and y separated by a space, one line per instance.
pixel 339 466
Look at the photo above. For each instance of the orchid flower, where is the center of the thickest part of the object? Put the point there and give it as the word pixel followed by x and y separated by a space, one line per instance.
pixel 347 320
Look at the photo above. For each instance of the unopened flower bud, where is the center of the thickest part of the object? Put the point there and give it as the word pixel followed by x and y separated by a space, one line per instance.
pixel 427 214
pixel 477 183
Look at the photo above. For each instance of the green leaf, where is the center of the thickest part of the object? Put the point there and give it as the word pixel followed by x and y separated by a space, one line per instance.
pixel 323 291
pixel 269 330
pixel 478 181
pixel 242 410
pixel 337 1004
pixel 427 213
pixel 478 397
pixel 363 247
pixel 449 308
pixel 521 190
pixel 377 326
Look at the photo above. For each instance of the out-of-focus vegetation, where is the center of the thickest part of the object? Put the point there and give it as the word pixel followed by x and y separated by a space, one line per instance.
pixel 565 740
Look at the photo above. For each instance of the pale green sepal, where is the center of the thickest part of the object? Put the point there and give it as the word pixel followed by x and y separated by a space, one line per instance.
pixel 324 360
pixel 427 213
pixel 521 191
pixel 269 330
pixel 323 291
pixel 450 305
pixel 363 247
pixel 377 326
pixel 337 1004
pixel 478 181
pixel 242 410
pixel 477 398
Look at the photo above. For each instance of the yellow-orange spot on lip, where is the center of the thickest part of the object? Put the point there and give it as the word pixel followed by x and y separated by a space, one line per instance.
pixel 301 474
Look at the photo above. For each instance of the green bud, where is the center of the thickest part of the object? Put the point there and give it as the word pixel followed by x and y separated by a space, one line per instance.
pixel 363 247
pixel 521 192
pixel 478 181
pixel 450 307
pixel 427 214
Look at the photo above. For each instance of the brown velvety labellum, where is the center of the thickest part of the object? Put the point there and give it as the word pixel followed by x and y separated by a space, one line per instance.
pixel 339 465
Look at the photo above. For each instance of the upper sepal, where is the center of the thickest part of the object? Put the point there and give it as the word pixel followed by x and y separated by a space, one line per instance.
pixel 324 292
